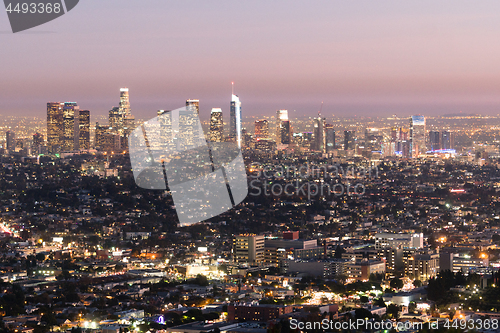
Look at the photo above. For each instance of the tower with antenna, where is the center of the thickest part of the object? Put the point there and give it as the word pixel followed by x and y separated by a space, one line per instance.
pixel 235 118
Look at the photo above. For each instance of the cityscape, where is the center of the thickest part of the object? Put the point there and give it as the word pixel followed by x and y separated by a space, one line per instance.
pixel 404 238
pixel 249 166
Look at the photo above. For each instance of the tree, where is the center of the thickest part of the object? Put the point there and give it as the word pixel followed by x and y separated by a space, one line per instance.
pixel 393 311
pixel 417 283
pixel 396 283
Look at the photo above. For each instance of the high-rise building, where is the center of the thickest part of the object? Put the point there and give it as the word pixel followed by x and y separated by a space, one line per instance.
pixel 282 127
pixel 249 249
pixel 70 126
pixel 37 142
pixel 349 140
pixel 194 103
pixel 417 135
pixel 235 120
pixel 121 120
pixel 447 140
pixel 216 125
pixel 10 141
pixel 319 140
pixel 106 139
pixel 261 129
pixel 54 126
pixel 434 140
pixel 84 129
pixel 329 138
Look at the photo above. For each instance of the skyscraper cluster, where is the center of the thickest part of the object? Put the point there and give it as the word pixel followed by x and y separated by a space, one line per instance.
pixel 67 127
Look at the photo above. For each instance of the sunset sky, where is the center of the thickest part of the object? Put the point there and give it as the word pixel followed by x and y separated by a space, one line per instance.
pixel 364 57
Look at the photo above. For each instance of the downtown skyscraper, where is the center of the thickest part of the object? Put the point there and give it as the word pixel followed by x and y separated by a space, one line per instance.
pixel 319 138
pixel 216 125
pixel 70 126
pixel 235 120
pixel 54 126
pixel 84 129
pixel 282 127
pixel 261 129
pixel 329 138
pixel 417 136
pixel 120 119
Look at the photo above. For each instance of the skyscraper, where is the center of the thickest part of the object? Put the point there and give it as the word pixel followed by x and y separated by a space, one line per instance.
pixel 10 141
pixel 69 126
pixel 120 119
pixel 282 127
pixel 235 120
pixel 349 139
pixel 216 125
pixel 261 129
pixel 37 142
pixel 329 138
pixel 54 126
pixel 194 103
pixel 319 134
pixel 447 140
pixel 84 129
pixel 417 136
pixel 434 140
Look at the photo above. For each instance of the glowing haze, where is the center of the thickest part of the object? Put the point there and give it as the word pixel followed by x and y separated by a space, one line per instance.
pixel 365 58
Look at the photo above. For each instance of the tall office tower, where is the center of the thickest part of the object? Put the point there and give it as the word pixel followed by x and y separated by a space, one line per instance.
pixel 69 126
pixel 10 141
pixel 115 119
pixel 261 129
pixel 249 249
pixel 84 129
pixel 37 142
pixel 349 139
pixel 216 125
pixel 329 138
pixel 282 127
pixel 54 126
pixel 447 140
pixel 417 135
pixel 194 103
pixel 235 120
pixel 434 140
pixel 106 139
pixel 120 119
pixel 319 141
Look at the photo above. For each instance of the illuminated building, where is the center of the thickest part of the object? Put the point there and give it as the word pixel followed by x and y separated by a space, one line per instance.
pixel 121 120
pixel 235 120
pixel 37 142
pixel 249 249
pixel 84 129
pixel 422 266
pixel 282 127
pixel 319 134
pixel 447 140
pixel 349 140
pixel 434 140
pixel 261 129
pixel 106 139
pixel 417 136
pixel 70 126
pixel 10 141
pixel 216 125
pixel 54 126
pixel 329 138
pixel 193 103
